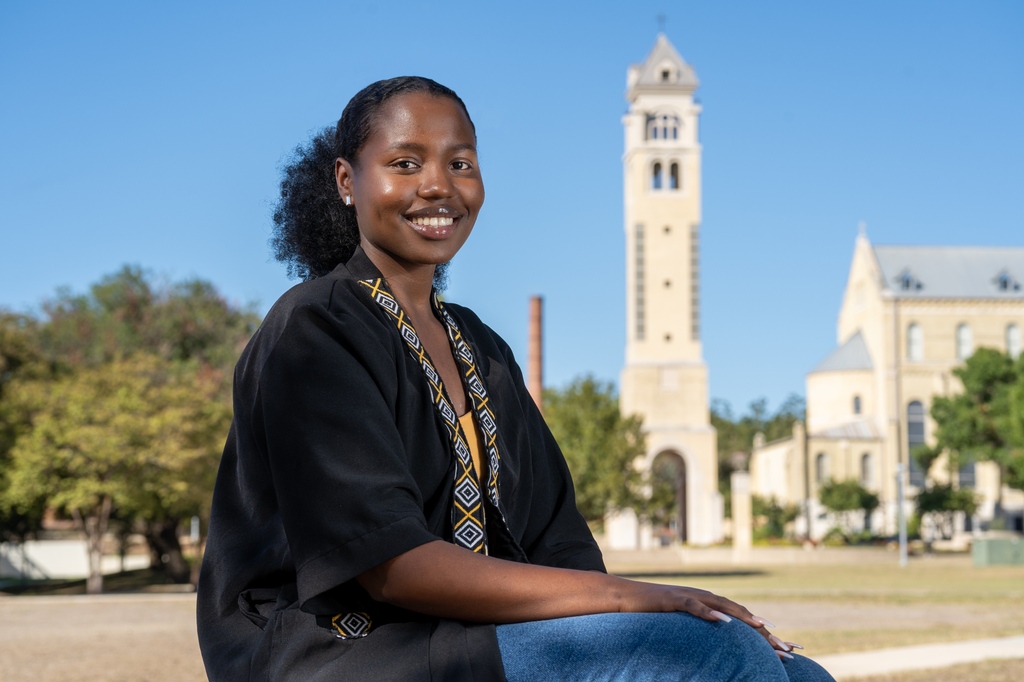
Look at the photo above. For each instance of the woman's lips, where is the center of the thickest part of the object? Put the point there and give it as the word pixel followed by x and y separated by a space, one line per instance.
pixel 433 227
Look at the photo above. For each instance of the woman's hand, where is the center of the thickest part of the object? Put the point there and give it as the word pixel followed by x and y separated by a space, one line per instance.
pixel 703 604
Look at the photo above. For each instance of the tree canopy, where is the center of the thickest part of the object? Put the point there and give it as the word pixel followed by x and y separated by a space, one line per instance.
pixel 985 421
pixel 117 403
pixel 736 434
pixel 599 444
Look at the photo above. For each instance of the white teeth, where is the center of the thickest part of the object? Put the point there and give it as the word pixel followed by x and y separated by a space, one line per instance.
pixel 433 222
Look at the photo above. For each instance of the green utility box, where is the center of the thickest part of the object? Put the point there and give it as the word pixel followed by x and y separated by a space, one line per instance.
pixel 998 551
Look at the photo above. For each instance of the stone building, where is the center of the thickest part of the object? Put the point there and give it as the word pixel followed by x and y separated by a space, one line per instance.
pixel 665 379
pixel 909 316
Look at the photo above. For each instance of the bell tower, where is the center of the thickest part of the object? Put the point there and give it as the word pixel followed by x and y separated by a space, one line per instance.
pixel 665 379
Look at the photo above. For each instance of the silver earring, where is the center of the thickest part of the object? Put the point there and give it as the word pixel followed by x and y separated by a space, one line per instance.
pixel 348 200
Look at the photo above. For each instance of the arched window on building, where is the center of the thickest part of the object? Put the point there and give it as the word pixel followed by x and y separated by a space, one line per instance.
pixel 673 176
pixel 657 181
pixel 821 467
pixel 965 475
pixel 856 404
pixel 915 342
pixel 866 475
pixel 964 342
pixel 915 438
pixel 1013 340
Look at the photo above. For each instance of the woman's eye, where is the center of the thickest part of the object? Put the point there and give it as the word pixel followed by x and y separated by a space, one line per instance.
pixel 461 165
pixel 404 164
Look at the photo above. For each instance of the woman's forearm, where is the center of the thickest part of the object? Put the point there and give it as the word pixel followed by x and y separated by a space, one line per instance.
pixel 440 579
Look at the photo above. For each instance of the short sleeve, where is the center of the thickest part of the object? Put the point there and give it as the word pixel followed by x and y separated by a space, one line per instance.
pixel 326 400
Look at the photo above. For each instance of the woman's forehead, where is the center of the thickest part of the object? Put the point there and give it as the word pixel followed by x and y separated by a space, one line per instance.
pixel 413 115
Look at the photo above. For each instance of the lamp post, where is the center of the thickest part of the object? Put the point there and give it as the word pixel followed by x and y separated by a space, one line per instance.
pixel 901 515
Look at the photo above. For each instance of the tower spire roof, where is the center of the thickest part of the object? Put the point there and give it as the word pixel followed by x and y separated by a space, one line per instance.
pixel 663 70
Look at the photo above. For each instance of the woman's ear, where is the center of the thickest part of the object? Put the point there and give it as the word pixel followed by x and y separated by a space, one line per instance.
pixel 343 178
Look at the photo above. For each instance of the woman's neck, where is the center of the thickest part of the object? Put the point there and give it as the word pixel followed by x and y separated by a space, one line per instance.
pixel 411 284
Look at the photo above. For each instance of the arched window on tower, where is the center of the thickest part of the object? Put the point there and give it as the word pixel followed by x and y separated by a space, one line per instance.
pixel 663 127
pixel 964 342
pixel 915 342
pixel 1013 340
pixel 657 181
pixel 866 475
pixel 915 439
pixel 856 404
pixel 673 176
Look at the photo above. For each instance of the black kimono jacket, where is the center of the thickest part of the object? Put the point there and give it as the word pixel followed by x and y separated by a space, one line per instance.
pixel 336 462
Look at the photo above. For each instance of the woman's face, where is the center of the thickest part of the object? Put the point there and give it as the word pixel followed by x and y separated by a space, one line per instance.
pixel 416 183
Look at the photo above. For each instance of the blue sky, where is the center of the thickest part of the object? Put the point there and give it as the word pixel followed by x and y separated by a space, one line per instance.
pixel 153 133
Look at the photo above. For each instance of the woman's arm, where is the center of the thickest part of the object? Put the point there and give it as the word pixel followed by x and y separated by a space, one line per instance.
pixel 440 579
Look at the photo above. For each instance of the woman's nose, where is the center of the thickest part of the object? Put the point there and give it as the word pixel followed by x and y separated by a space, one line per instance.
pixel 435 182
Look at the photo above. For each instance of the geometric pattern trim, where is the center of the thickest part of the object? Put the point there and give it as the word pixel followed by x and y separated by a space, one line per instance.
pixel 351 625
pixel 467 516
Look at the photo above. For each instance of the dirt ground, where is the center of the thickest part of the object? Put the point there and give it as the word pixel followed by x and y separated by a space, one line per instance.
pixel 140 637
pixel 115 638
pixel 152 638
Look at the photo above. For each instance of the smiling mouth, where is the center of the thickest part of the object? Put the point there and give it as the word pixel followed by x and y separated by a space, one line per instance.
pixel 432 222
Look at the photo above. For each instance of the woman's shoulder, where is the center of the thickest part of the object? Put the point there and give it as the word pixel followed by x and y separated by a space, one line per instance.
pixel 326 311
pixel 335 295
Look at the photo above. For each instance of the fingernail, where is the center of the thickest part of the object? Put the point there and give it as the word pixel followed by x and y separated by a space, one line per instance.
pixel 783 654
pixel 721 616
pixel 779 643
pixel 795 645
pixel 764 622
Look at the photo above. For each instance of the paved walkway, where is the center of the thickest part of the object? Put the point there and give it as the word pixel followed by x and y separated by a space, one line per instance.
pixel 920 657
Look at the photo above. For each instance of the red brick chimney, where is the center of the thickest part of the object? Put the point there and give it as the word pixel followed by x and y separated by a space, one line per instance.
pixel 535 358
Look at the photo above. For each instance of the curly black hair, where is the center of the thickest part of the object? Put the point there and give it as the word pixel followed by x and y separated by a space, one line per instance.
pixel 314 230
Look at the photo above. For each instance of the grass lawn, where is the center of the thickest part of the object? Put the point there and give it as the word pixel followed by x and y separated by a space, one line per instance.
pixel 856 607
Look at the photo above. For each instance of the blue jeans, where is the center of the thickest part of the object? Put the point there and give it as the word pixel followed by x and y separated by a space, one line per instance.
pixel 644 647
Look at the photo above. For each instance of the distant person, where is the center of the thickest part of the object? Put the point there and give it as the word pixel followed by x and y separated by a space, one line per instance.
pixel 390 504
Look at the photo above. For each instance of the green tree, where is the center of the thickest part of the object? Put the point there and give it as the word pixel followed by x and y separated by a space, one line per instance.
pixel 985 421
pixel 130 434
pixel 126 312
pixel 845 497
pixel 736 434
pixel 19 359
pixel 188 330
pixel 771 517
pixel 599 444
pixel 188 324
pixel 939 502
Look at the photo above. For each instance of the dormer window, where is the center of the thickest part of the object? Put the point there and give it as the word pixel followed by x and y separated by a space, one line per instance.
pixel 665 75
pixel 907 281
pixel 1006 283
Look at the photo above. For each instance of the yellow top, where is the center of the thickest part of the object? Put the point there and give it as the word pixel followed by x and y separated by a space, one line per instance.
pixel 476 448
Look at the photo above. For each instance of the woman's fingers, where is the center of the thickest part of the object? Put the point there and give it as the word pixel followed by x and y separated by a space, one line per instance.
pixel 731 608
pixel 779 644
pixel 718 615
pixel 710 606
